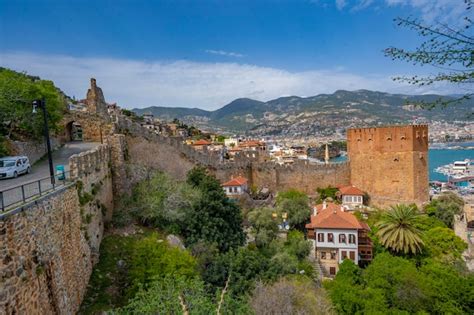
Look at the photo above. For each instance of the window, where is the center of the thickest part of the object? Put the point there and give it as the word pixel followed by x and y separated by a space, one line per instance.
pixel 352 255
pixel 320 237
pixel 342 238
pixel 333 255
pixel 344 254
pixel 332 271
pixel 323 255
pixel 352 239
pixel 330 237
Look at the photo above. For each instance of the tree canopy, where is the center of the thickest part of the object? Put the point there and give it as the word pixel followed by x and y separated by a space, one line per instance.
pixel 17 92
pixel 397 230
pixel 448 48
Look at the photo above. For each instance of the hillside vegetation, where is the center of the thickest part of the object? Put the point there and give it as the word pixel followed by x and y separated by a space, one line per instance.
pixel 17 92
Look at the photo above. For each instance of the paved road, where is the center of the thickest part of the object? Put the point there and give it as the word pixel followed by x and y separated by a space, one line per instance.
pixel 41 170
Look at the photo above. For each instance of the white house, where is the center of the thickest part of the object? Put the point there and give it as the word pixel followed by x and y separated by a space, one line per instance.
pixel 337 235
pixel 351 197
pixel 231 142
pixel 236 186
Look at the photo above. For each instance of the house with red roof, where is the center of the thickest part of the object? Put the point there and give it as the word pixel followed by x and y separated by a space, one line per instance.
pixel 336 235
pixel 236 186
pixel 351 197
pixel 200 144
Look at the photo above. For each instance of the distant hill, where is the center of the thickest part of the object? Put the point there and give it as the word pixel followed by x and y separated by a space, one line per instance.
pixel 339 109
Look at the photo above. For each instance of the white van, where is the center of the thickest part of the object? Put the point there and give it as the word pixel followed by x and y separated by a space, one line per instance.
pixel 12 166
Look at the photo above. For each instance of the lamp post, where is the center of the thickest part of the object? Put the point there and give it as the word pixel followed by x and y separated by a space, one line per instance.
pixel 42 105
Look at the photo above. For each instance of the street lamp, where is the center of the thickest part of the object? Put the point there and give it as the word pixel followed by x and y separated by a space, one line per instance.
pixel 42 105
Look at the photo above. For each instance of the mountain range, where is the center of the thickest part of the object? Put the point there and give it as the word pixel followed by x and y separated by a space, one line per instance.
pixel 308 114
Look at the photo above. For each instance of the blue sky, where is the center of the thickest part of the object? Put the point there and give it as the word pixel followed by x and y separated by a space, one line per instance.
pixel 207 53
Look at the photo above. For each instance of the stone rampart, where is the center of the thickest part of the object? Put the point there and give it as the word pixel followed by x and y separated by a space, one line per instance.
pixel 45 259
pixel 48 247
pixel 150 150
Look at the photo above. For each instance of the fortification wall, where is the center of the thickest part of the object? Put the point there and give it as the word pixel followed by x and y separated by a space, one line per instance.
pixel 390 163
pixel 92 172
pixel 45 261
pixel 48 247
pixel 170 154
pixel 95 128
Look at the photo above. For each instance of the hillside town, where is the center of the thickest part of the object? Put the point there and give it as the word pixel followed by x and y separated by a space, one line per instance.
pixel 236 158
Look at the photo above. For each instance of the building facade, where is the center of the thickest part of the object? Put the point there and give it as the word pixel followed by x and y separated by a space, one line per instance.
pixel 337 235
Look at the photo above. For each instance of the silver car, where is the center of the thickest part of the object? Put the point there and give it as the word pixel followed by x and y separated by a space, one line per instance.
pixel 12 166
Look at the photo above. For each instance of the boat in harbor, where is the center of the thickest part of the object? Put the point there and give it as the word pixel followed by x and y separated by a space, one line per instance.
pixel 460 175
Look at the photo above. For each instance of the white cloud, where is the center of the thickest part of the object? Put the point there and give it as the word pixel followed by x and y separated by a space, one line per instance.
pixel 340 4
pixel 134 83
pixel 224 53
pixel 445 11
pixel 449 11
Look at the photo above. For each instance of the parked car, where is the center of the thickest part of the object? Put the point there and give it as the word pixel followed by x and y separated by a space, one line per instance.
pixel 12 166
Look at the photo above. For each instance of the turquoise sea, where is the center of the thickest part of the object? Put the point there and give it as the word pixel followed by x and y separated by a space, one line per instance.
pixel 438 157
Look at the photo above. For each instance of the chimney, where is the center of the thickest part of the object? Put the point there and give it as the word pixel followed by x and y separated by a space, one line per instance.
pixel 315 210
pixel 325 205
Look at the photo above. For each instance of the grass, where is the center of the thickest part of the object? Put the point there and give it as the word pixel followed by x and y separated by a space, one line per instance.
pixel 109 280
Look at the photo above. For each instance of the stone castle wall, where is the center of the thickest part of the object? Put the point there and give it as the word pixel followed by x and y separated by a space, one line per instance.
pixel 172 155
pixel 49 246
pixel 390 163
pixel 45 261
pixel 95 128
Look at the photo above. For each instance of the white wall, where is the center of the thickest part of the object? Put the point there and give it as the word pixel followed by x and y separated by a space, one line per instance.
pixel 340 246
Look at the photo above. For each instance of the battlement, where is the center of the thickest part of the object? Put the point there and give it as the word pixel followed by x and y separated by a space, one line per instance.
pixel 89 162
pixel 388 139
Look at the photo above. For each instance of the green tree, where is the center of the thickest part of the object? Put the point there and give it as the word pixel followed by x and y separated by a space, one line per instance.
pixel 17 92
pixel 296 204
pixel 153 259
pixel 215 219
pixel 165 203
pixel 263 226
pixel 443 245
pixel 446 47
pixel 397 231
pixel 325 193
pixel 445 207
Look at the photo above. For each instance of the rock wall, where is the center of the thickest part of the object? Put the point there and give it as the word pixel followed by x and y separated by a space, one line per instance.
pixel 149 150
pixel 49 246
pixel 45 261
pixel 34 150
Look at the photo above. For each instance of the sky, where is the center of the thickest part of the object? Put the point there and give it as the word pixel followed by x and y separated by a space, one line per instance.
pixel 207 53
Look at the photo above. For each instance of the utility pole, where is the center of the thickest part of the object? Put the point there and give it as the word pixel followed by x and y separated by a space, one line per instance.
pixel 42 104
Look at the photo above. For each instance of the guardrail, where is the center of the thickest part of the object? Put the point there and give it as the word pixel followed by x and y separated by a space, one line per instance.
pixel 21 194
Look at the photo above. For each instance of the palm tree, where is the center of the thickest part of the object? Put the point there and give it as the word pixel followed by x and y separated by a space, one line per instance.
pixel 397 230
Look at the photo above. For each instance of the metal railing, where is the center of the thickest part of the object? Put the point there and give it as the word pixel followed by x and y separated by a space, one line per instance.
pixel 21 194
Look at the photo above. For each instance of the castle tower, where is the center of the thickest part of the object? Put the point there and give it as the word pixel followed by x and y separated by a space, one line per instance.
pixel 95 100
pixel 390 163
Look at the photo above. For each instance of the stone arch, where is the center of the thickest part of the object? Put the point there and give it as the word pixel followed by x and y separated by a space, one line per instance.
pixel 74 131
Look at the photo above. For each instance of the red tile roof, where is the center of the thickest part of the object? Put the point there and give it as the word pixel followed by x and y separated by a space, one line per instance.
pixel 350 190
pixel 238 181
pixel 201 142
pixel 250 143
pixel 333 218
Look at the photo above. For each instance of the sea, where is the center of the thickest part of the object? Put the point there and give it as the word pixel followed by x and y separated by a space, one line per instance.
pixel 439 155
